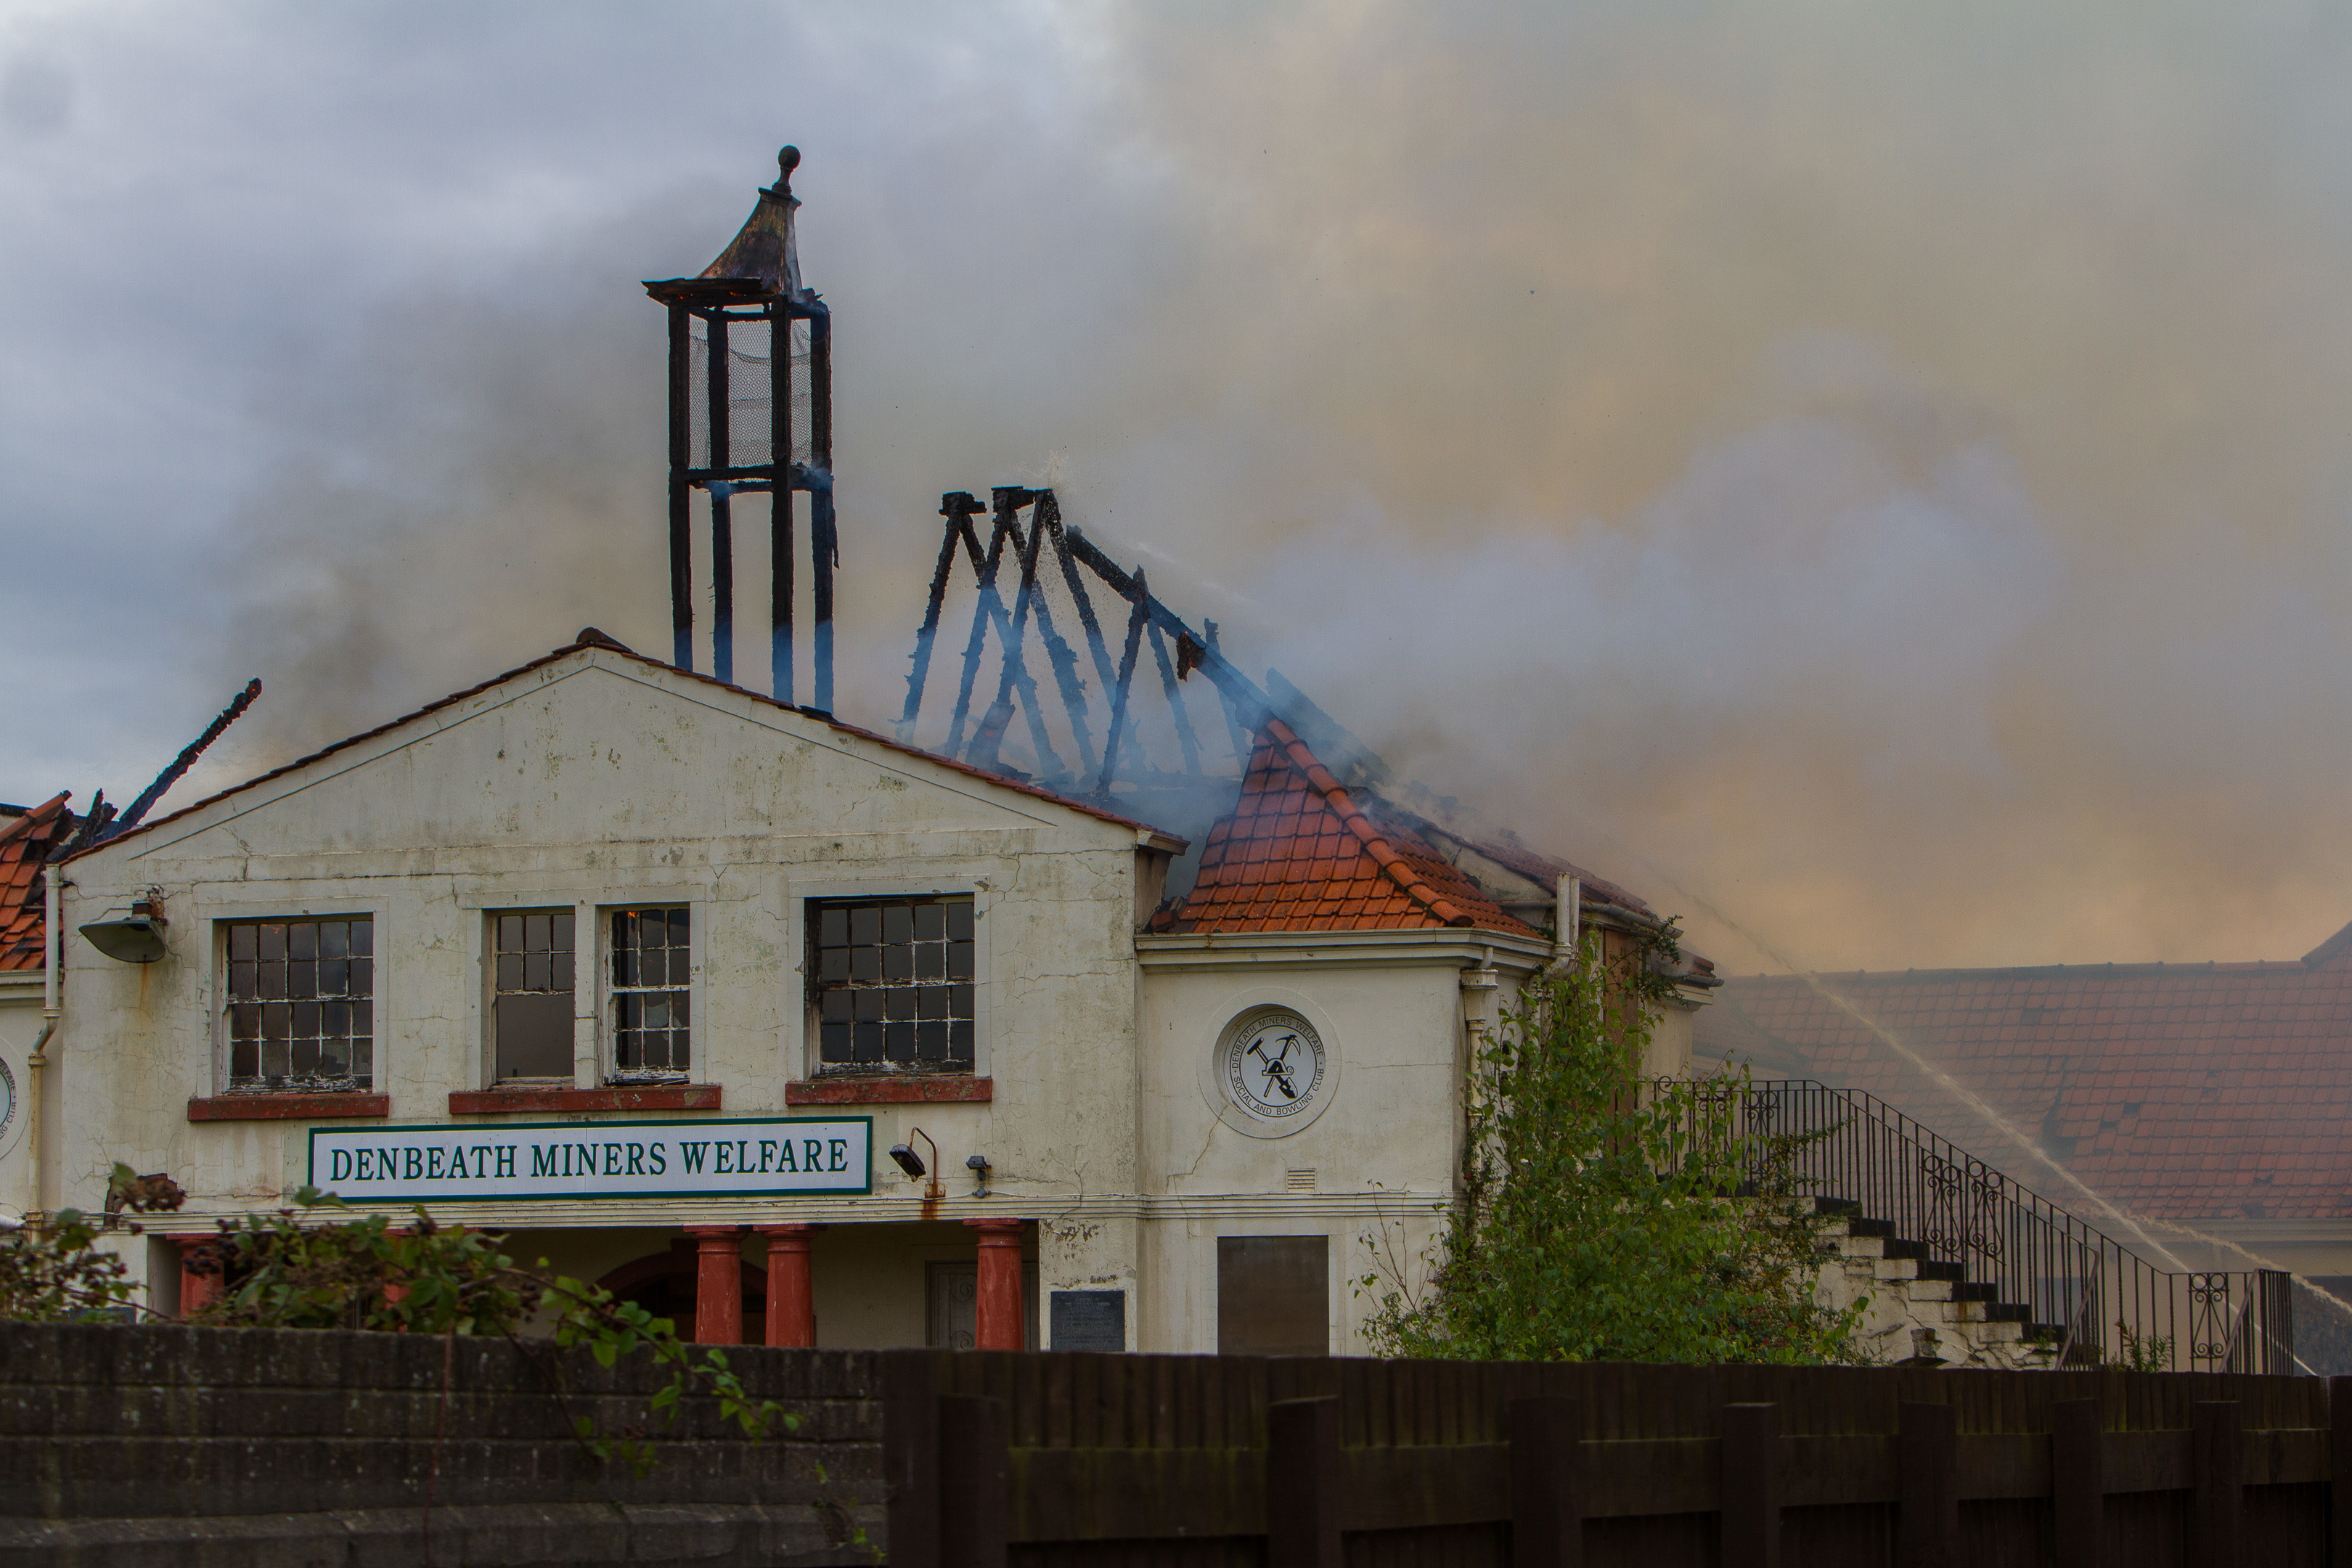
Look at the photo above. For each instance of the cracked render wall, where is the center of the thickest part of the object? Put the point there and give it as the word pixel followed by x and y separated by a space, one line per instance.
pixel 597 779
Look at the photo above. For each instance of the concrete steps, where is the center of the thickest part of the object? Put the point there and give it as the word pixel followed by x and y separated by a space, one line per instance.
pixel 1919 1311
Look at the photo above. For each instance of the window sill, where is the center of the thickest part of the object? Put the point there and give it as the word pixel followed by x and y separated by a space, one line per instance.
pixel 296 1107
pixel 619 1097
pixel 911 1089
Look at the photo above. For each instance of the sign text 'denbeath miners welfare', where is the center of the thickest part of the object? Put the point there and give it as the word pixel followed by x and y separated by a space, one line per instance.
pixel 778 1158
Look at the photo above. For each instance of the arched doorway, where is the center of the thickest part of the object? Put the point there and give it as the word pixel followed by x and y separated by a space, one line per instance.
pixel 662 1283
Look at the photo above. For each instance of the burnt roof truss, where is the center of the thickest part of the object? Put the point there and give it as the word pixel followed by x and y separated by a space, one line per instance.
pixel 1034 587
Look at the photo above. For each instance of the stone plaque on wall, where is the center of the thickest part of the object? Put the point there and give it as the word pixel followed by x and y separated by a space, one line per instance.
pixel 1088 1319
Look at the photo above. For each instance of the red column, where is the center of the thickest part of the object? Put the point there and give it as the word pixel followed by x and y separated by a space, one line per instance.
pixel 717 1285
pixel 792 1292
pixel 998 1307
pixel 196 1290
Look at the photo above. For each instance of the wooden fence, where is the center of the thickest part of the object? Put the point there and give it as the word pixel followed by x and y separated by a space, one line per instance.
pixel 1176 1461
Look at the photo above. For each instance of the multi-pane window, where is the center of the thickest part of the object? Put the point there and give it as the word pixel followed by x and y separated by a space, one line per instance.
pixel 893 984
pixel 653 959
pixel 301 1003
pixel 531 1007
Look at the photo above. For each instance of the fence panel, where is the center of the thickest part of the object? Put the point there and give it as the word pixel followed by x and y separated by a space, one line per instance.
pixel 1207 1462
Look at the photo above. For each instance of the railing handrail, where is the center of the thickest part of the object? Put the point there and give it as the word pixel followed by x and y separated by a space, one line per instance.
pixel 1918 1133
pixel 2069 1277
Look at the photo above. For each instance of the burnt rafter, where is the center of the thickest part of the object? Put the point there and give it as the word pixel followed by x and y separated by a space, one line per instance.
pixel 1028 551
pixel 181 763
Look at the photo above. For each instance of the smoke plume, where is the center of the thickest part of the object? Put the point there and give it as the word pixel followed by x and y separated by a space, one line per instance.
pixel 1874 474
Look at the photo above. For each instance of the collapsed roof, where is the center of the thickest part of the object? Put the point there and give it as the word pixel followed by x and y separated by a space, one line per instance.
pixel 1293 847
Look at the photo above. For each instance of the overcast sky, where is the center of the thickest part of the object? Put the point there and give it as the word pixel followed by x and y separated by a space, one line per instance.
pixel 1873 478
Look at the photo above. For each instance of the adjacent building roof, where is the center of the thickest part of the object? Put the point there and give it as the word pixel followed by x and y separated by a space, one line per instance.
pixel 2186 1092
pixel 1299 852
pixel 26 838
pixel 590 637
pixel 1506 849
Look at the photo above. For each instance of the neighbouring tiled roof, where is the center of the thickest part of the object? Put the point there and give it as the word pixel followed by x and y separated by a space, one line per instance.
pixel 1520 859
pixel 1298 852
pixel 1546 870
pixel 588 638
pixel 2184 1093
pixel 25 841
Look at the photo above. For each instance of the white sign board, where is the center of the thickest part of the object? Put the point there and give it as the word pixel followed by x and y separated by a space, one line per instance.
pixel 782 1157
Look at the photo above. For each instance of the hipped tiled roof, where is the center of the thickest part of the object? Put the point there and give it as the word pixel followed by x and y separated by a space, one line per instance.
pixel 1298 852
pixel 2184 1093
pixel 25 843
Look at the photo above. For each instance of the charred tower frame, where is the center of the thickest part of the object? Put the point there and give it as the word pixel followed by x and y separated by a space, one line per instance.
pixel 752 291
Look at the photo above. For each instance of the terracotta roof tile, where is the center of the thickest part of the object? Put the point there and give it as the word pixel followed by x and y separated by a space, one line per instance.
pixel 1298 852
pixel 25 842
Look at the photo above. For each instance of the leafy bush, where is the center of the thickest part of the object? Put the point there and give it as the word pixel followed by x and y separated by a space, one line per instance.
pixel 279 1271
pixel 2142 1352
pixel 58 1271
pixel 290 1270
pixel 1604 1217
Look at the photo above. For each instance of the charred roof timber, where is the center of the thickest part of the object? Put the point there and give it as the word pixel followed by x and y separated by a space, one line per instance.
pixel 751 414
pixel 749 311
pixel 1046 559
pixel 183 761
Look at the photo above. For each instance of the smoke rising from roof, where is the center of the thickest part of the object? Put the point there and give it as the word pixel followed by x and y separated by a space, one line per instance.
pixel 1883 470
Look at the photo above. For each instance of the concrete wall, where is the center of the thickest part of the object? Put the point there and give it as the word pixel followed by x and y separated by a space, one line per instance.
pixel 163 1445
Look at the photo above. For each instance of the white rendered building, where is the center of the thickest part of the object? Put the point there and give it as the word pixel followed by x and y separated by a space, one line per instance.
pixel 654 972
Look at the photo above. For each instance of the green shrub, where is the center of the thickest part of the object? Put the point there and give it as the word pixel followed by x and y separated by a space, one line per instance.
pixel 1604 1217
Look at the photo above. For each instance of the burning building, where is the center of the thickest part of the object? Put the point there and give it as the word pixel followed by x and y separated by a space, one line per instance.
pixel 1107 1000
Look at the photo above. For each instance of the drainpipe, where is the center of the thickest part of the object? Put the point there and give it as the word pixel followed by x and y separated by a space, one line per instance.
pixel 35 1216
pixel 1567 922
pixel 1480 987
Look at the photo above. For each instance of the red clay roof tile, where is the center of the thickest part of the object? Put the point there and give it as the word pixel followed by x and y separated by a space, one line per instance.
pixel 2147 1082
pixel 25 843
pixel 1298 852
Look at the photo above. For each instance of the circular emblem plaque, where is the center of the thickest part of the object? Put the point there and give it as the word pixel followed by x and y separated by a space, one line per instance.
pixel 1272 1065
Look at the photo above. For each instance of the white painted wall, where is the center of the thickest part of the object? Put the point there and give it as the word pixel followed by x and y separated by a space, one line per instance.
pixel 20 1025
pixel 597 780
pixel 1390 1007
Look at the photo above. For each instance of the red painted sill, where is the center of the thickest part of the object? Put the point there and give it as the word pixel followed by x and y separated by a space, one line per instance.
pixel 288 1107
pixel 915 1089
pixel 621 1097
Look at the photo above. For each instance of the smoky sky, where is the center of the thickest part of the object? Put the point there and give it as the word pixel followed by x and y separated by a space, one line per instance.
pixel 1873 479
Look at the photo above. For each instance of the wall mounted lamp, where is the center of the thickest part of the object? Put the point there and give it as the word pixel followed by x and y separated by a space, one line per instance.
pixel 134 938
pixel 912 1163
pixel 978 1166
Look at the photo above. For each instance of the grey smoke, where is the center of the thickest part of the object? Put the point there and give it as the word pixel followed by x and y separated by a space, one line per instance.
pixel 1882 468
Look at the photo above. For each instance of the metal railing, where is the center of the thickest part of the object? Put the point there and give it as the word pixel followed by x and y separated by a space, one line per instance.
pixel 2093 1300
